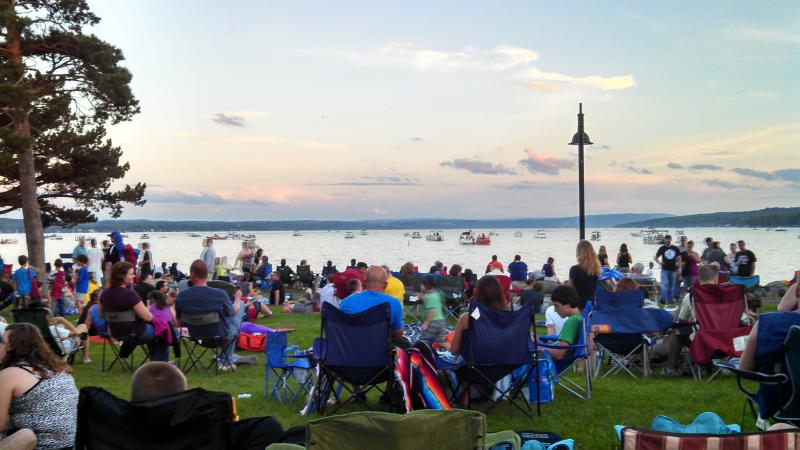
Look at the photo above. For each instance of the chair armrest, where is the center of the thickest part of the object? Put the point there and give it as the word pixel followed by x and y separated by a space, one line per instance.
pixel 552 337
pixel 560 347
pixel 777 378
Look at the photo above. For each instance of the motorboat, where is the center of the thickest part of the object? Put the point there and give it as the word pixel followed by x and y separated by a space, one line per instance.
pixel 518 234
pixel 407 234
pixel 144 236
pixel 483 239
pixel 540 234
pixel 494 233
pixel 249 237
pixel 194 235
pixel 637 233
pixel 9 241
pixel 596 236
pixel 217 237
pixel 349 235
pixel 780 229
pixel 364 232
pixel 297 233
pixel 435 236
pixel 679 234
pixel 416 235
pixel 652 236
pixel 55 237
pixel 467 238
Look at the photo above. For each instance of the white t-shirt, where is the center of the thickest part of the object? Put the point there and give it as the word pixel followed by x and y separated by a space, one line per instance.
pixel 328 295
pixel 95 256
pixel 552 318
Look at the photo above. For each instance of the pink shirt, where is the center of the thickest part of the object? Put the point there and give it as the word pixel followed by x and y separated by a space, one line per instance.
pixel 165 314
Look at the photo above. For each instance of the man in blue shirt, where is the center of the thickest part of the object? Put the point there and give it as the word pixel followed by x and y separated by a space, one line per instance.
pixel 372 295
pixel 518 271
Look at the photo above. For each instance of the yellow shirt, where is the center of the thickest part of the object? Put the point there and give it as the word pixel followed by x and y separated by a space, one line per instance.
pixel 395 288
pixel 92 287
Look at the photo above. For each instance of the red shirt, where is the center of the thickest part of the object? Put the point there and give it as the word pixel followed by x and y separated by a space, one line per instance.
pixel 494 265
pixel 341 280
pixel 58 285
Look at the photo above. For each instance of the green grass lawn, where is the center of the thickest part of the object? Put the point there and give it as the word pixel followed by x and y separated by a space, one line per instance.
pixel 615 400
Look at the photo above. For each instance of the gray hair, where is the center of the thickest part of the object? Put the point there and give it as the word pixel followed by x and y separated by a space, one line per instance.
pixel 637 268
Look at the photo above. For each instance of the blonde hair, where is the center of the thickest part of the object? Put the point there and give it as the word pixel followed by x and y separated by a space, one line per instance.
pixel 587 258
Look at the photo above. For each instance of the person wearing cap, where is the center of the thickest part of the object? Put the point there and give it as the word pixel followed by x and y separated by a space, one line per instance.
pixel 342 279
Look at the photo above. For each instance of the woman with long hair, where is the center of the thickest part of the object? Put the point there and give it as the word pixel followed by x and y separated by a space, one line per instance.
pixel 245 258
pixel 488 292
pixel 37 391
pixel 602 256
pixel 624 259
pixel 583 276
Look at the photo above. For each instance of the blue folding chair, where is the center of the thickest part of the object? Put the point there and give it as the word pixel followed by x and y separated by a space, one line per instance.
pixel 282 364
pixel 495 346
pixel 354 350
pixel 577 357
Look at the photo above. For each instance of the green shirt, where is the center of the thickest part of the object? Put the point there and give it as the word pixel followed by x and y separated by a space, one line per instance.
pixel 571 329
pixel 434 300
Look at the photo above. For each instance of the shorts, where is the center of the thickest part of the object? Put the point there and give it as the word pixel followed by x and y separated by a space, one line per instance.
pixel 436 332
pixel 80 296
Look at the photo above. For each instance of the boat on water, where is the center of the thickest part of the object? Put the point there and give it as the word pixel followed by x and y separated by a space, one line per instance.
pixel 518 234
pixel 364 232
pixel 467 238
pixel 679 234
pixel 125 235
pixel 194 235
pixel 217 237
pixel 637 233
pixel 54 237
pixel 652 236
pixel 435 236
pixel 483 239
pixel 780 229
pixel 349 235
pixel 540 234
pixel 416 235
pixel 596 236
pixel 297 233
pixel 144 236
pixel 406 234
pixel 9 241
pixel 494 233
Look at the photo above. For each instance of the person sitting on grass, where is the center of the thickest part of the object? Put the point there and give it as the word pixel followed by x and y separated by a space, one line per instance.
pixel 156 380
pixel 433 327
pixel 566 303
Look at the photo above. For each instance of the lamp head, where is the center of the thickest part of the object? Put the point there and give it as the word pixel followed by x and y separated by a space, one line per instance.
pixel 576 139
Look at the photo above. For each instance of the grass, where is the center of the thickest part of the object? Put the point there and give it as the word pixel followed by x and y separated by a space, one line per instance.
pixel 615 400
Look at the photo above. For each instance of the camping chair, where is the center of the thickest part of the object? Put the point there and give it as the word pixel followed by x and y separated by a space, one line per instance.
pixel 777 397
pixel 641 439
pixel 207 333
pixel 305 276
pixel 191 419
pixel 718 310
pixel 37 316
pixel 495 345
pixel 121 328
pixel 279 370
pixel 622 330
pixel 413 286
pixel 580 357
pixel 455 297
pixel 355 350
pixel 229 288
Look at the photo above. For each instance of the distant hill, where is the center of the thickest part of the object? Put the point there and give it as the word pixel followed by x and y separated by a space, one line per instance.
pixel 768 217
pixel 594 221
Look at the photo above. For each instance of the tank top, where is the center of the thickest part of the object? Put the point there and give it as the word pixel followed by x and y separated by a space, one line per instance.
pixel 49 408
pixel 624 260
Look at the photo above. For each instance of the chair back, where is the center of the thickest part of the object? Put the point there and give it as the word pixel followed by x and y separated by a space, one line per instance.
pixel 499 338
pixel 37 316
pixel 304 273
pixel 204 325
pixel 120 317
pixel 412 282
pixel 605 300
pixel 356 340
pixel 622 312
pixel 790 410
pixel 229 288
pixel 121 324
pixel 276 349
pixel 747 282
pixel 718 307
pixel 191 419
pixel 452 287
pixel 640 439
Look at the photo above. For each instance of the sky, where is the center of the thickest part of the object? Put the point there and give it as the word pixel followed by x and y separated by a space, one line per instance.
pixel 267 110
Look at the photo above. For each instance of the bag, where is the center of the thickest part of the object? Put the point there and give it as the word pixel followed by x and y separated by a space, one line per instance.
pixel 252 342
pixel 35 294
pixel 546 381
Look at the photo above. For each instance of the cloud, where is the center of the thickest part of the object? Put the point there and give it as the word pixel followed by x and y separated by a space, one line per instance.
pixel 236 118
pixel 612 163
pixel 200 198
pixel 639 170
pixel 377 181
pixel 478 166
pixel 769 35
pixel 673 165
pixel 788 174
pixel 417 139
pixel 700 167
pixel 523 185
pixel 541 80
pixel 602 147
pixel 728 185
pixel 720 153
pixel 537 162
pixel 754 173
pixel 379 211
pixel 316 145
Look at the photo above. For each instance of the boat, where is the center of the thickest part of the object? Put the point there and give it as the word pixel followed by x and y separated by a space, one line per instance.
pixel 494 233
pixel 540 234
pixel 249 237
pixel 467 238
pixel 125 235
pixel 483 239
pixel 194 235
pixel 518 234
pixel 55 237
pixel 780 229
pixel 435 236
pixel 364 232
pixel 679 234
pixel 144 236
pixel 216 237
pixel 595 236
pixel 297 233
pixel 407 234
pixel 416 235
pixel 652 236
pixel 637 233
pixel 9 241
pixel 349 235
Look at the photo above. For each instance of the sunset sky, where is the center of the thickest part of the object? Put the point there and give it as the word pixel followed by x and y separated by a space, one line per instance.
pixel 266 110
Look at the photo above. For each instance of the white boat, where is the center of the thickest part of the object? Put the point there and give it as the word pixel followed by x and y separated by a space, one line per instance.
pixel 678 235
pixel 144 236
pixel 349 235
pixel 364 232
pixel 652 236
pixel 54 237
pixel 416 235
pixel 467 238
pixel 9 241
pixel 407 234
pixel 540 234
pixel 518 234
pixel 194 235
pixel 637 233
pixel 494 233
pixel 435 236
pixel 297 233
pixel 596 236
pixel 780 229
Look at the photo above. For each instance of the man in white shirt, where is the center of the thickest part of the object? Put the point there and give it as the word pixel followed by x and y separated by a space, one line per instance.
pixel 95 255
pixel 553 321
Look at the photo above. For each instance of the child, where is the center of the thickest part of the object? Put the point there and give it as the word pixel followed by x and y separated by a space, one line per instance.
pixel 433 328
pixel 565 301
pixel 532 294
pixel 221 268
pixel 81 281
pixel 159 308
pixel 57 290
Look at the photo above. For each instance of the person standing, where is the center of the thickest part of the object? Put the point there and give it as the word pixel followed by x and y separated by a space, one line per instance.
pixel 95 266
pixel 668 257
pixel 732 258
pixel 745 261
pixel 145 261
pixel 209 255
pixel 80 249
pixel 691 265
pixel 583 276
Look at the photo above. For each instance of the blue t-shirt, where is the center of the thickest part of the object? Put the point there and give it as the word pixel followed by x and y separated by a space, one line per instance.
pixel 772 330
pixel 204 299
pixel 22 277
pixel 518 271
pixel 82 281
pixel 365 300
pixel 547 270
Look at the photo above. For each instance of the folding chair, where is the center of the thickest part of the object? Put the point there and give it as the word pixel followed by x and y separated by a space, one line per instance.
pixel 413 285
pixel 191 419
pixel 121 327
pixel 305 276
pixel 279 370
pixel 577 360
pixel 455 297
pixel 622 330
pixel 495 345
pixel 719 310
pixel 354 351
pixel 37 316
pixel 778 396
pixel 207 333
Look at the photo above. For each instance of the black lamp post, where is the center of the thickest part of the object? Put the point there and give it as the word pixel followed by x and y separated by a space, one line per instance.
pixel 580 139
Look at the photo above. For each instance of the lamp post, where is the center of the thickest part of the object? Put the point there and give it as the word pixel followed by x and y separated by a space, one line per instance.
pixel 580 139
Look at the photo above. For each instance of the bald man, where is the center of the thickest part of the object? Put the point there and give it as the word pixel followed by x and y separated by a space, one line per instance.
pixel 372 295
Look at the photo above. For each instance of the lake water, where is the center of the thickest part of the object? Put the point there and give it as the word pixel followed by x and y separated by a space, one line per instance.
pixel 777 252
